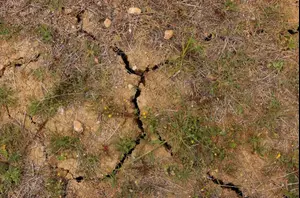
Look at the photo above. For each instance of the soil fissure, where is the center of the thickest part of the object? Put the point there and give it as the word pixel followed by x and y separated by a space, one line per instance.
pixel 230 185
pixel 134 100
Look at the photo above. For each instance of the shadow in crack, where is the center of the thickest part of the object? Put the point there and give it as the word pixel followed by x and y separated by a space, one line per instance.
pixel 134 100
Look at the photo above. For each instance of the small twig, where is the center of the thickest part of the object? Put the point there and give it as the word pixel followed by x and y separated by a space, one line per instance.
pixel 24 119
pixel 224 47
pixel 286 174
pixel 175 74
pixel 187 4
pixel 161 144
pixel 113 133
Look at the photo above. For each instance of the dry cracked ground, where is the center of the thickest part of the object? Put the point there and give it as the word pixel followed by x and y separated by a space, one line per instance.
pixel 96 101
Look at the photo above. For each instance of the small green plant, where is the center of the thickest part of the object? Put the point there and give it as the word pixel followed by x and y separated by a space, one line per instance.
pixel 182 174
pixel 277 65
pixel 89 164
pixel 64 143
pixel 45 32
pixel 39 74
pixel 256 144
pixel 291 43
pixel 272 114
pixel 54 187
pixel 47 106
pixel 291 194
pixel 7 30
pixel 6 96
pixel 190 49
pixel 230 5
pixel 129 189
pixel 92 53
pixel 55 5
pixel 11 141
pixel 191 46
pixel 272 11
pixel 192 139
pixel 61 157
pixel 9 179
pixel 4 30
pixel 125 145
pixel 274 104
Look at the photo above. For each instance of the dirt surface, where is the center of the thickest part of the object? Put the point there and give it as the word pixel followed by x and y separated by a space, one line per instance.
pixel 208 111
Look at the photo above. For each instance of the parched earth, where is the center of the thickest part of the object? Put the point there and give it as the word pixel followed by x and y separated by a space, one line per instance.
pixel 96 109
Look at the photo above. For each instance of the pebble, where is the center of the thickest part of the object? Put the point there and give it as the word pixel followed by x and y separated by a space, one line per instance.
pixel 134 10
pixel 211 77
pixel 68 11
pixel 130 86
pixel 61 111
pixel 107 23
pixel 168 34
pixel 78 127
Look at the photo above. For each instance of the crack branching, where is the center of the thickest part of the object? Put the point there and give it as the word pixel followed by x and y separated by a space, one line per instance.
pixel 134 100
pixel 230 186
pixel 18 62
pixel 79 18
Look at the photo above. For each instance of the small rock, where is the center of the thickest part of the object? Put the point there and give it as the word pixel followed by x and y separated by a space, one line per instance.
pixel 61 111
pixel 130 86
pixel 96 60
pixel 68 11
pixel 107 23
pixel 78 127
pixel 211 77
pixel 134 10
pixel 168 34
pixel 134 67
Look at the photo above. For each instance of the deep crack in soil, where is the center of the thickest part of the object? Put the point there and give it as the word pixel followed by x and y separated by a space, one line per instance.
pixel 134 100
pixel 230 185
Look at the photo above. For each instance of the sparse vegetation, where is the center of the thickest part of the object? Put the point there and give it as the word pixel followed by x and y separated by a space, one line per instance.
pixel 54 187
pixel 45 32
pixel 62 94
pixel 11 149
pixel 56 5
pixel 230 5
pixel 189 134
pixel 125 145
pixel 10 179
pixel 64 143
pixel 89 164
pixel 7 31
pixel 225 101
pixel 3 29
pixel 6 96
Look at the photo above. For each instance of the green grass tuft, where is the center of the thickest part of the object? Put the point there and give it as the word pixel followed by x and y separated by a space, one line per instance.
pixel 54 187
pixel 45 32
pixel 64 143
pixel 124 145
pixel 6 96
pixel 89 164
pixel 64 93
pixel 11 145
